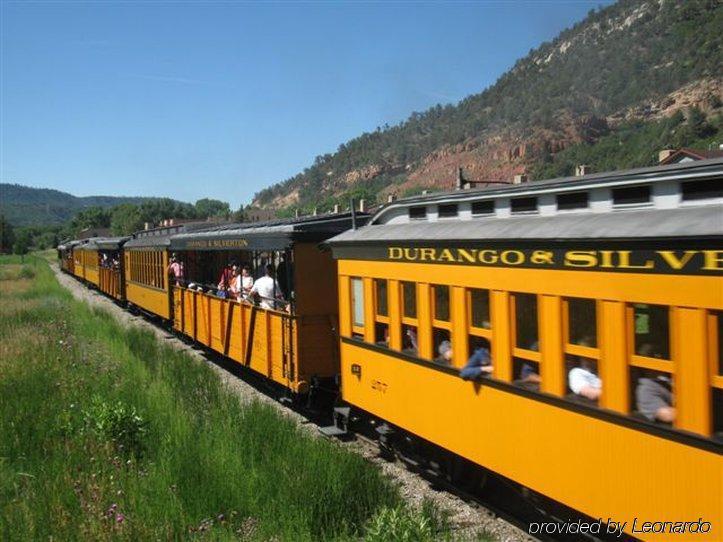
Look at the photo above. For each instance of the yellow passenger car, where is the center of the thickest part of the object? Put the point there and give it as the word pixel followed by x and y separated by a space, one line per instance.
pixel 289 337
pixel 615 277
pixel 110 265
pixel 86 262
pixel 65 256
pixel 145 264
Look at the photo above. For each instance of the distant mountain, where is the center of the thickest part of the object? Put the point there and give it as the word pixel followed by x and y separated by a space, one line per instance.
pixel 26 206
pixel 624 83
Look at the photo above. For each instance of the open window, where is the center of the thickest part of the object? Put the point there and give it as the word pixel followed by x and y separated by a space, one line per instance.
pixel 381 312
pixel 526 351
pixel 441 324
pixel 580 340
pixel 410 323
pixel 651 368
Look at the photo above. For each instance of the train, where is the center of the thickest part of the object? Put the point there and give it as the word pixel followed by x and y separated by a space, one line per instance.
pixel 460 323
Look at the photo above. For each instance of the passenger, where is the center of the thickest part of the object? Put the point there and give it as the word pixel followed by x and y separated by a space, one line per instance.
pixel 175 268
pixel 528 373
pixel 584 382
pixel 654 399
pixel 410 340
pixel 478 364
pixel 222 290
pixel 227 274
pixel 244 283
pixel 233 292
pixel 267 288
pixel 445 353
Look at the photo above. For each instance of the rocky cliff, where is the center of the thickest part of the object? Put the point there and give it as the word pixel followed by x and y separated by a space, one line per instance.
pixel 629 79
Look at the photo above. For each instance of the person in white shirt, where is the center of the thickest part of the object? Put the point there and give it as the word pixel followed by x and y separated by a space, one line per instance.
pixel 267 288
pixel 584 382
pixel 244 283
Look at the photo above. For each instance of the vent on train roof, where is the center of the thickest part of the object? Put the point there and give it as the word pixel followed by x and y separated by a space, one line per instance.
pixel 486 207
pixel 703 189
pixel 523 205
pixel 572 200
pixel 417 213
pixel 447 210
pixel 631 195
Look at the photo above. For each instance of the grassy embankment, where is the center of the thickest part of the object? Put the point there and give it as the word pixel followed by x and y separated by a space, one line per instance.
pixel 107 434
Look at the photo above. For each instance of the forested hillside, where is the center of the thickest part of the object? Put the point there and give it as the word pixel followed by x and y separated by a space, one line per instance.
pixel 26 206
pixel 42 217
pixel 628 80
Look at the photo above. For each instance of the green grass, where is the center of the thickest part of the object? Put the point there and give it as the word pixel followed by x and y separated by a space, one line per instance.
pixel 106 434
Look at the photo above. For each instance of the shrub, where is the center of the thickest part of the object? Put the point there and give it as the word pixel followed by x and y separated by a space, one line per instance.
pixel 117 423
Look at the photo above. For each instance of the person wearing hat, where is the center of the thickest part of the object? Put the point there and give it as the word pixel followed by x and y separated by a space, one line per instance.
pixel 175 268
pixel 445 353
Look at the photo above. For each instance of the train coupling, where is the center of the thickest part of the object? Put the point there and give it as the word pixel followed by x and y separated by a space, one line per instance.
pixel 340 428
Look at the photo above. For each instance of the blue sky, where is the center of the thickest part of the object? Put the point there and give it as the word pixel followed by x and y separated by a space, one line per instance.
pixel 221 99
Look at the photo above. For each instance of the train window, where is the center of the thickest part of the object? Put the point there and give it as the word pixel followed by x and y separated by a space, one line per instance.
pixel 442 340
pixel 442 327
pixel 717 405
pixel 382 299
pixel 448 210
pixel 381 334
pixel 476 344
pixel 479 306
pixel 357 303
pixel 704 189
pixel 652 395
pixel 523 205
pixel 526 333
pixel 574 200
pixel 409 339
pixel 526 373
pixel 483 207
pixel 631 195
pixel 582 322
pixel 583 383
pixel 441 302
pixel 409 299
pixel 417 213
pixel 652 331
pixel 381 312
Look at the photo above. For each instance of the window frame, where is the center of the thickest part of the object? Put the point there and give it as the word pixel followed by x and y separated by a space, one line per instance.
pixel 409 320
pixel 485 333
pixel 714 346
pixel 355 328
pixel 444 324
pixel 518 352
pixel 666 366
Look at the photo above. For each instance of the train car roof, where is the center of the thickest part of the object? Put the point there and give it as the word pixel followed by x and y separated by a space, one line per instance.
pixel 161 237
pixel 682 200
pixel 70 244
pixel 269 235
pixel 105 243
pixel 656 175
pixel 693 222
